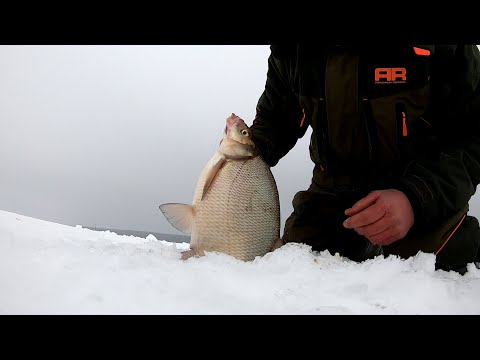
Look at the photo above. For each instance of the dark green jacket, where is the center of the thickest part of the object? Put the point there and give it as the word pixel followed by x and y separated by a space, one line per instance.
pixel 405 117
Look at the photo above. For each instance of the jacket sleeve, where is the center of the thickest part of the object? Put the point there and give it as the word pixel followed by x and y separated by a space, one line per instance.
pixel 441 184
pixel 276 127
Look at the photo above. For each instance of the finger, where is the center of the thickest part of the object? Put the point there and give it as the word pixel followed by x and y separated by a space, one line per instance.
pixel 389 240
pixel 363 203
pixel 384 238
pixel 366 217
pixel 373 229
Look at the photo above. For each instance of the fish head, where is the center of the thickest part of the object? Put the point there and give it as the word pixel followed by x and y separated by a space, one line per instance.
pixel 237 140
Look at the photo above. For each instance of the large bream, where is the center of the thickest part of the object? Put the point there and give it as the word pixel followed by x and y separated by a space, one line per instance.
pixel 235 209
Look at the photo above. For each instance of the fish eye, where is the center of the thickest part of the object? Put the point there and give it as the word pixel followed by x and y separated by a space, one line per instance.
pixel 244 132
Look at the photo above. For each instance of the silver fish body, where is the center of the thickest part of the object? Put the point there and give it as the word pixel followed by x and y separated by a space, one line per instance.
pixel 235 209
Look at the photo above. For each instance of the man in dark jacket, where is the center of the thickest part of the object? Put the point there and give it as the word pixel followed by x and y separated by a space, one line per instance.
pixel 395 144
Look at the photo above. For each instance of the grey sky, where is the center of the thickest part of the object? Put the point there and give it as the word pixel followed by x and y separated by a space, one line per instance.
pixel 101 135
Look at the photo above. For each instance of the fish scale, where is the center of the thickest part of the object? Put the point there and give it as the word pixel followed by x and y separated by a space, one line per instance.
pixel 240 215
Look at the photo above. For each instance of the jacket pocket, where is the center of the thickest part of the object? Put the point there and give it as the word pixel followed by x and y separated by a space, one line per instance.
pixel 402 129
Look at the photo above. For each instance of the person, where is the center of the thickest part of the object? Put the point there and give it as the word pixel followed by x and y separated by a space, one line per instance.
pixel 395 146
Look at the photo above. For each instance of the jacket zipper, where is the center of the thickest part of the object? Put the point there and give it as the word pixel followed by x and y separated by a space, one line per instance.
pixel 402 126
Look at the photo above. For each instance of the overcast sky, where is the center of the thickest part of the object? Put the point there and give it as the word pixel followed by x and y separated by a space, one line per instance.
pixel 101 135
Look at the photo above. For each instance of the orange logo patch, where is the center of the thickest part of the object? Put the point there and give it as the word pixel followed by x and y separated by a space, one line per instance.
pixel 397 75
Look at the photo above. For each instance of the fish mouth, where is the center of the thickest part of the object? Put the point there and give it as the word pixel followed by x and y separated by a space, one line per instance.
pixel 237 142
pixel 234 120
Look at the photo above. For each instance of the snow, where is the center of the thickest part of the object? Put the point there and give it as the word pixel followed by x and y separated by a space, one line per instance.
pixel 50 268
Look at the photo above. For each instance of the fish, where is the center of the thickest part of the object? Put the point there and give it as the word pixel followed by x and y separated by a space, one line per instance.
pixel 235 208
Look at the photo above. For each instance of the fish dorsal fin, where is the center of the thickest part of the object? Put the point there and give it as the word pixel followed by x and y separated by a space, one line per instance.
pixel 181 216
pixel 212 173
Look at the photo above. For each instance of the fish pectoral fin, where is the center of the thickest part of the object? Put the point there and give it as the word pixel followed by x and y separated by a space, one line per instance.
pixel 181 216
pixel 212 173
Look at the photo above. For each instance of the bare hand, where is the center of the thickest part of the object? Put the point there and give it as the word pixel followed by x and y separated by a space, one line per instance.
pixel 383 216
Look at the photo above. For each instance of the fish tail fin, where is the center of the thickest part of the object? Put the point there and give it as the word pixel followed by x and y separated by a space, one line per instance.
pixel 181 216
